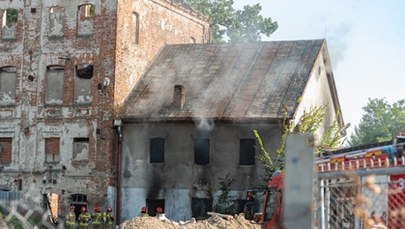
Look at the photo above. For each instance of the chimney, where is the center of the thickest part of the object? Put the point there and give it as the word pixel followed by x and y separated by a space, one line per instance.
pixel 178 96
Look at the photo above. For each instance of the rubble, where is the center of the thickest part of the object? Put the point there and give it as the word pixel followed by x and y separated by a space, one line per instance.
pixel 215 221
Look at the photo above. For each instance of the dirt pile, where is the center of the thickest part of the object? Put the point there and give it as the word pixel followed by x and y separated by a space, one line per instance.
pixel 213 222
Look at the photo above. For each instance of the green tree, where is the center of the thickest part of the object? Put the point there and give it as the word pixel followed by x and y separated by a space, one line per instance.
pixel 237 25
pixel 380 122
pixel 310 121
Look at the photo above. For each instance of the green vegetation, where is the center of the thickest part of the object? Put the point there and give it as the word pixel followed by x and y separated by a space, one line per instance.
pixel 225 204
pixel 11 17
pixel 309 122
pixel 237 25
pixel 380 122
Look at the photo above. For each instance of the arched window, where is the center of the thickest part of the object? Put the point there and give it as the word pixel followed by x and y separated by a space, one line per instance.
pixel 8 81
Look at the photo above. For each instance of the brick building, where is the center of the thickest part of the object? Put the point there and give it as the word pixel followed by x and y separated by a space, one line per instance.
pixel 65 67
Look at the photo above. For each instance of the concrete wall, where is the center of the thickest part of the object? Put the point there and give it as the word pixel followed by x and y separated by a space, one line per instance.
pixel 179 179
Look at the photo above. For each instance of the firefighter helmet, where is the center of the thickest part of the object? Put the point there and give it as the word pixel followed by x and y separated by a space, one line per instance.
pixel 143 210
pixel 96 209
pixel 159 210
pixel 83 209
pixel 109 209
pixel 72 207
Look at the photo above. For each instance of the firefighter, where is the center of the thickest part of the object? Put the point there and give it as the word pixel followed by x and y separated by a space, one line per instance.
pixel 84 218
pixel 71 218
pixel 159 211
pixel 96 218
pixel 108 218
pixel 144 212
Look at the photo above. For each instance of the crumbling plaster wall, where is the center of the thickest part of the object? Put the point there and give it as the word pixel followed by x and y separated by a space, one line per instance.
pixel 178 179
pixel 29 121
pixel 155 23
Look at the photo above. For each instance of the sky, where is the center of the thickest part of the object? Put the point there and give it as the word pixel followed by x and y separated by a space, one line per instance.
pixel 366 43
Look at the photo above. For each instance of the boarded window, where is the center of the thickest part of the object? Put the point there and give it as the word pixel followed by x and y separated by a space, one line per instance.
pixel 56 22
pixel 52 150
pixel 54 84
pixel 153 204
pixel 80 148
pixel 8 77
pixel 157 150
pixel 5 150
pixel 84 74
pixel 247 151
pixel 201 151
pixel 85 20
pixel 135 17
pixel 200 207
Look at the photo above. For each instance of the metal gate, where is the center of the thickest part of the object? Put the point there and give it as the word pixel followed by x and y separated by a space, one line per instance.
pixel 357 199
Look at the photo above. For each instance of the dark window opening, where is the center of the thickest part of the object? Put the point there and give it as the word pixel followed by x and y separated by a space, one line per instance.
pixel 79 201
pixel 202 151
pixel 153 204
pixel 247 151
pixel 157 150
pixel 200 207
pixel 10 17
pixel 136 27
pixel 84 71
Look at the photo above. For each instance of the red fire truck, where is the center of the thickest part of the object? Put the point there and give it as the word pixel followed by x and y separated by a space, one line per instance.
pixel 379 155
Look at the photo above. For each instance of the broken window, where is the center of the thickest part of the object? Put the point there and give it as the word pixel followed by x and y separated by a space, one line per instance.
pixel 202 151
pixel 136 27
pixel 56 21
pixel 10 17
pixel 5 150
pixel 85 20
pixel 247 151
pixel 54 84
pixel 52 150
pixel 82 90
pixel 200 207
pixel 80 148
pixel 157 150
pixel 8 77
pixel 153 204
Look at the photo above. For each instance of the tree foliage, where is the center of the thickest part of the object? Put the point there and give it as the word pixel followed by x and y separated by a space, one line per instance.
pixel 309 122
pixel 380 122
pixel 237 25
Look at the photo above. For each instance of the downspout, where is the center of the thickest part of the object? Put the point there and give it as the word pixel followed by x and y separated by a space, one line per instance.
pixel 118 124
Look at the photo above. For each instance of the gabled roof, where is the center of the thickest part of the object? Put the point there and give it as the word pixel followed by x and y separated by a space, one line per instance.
pixel 242 81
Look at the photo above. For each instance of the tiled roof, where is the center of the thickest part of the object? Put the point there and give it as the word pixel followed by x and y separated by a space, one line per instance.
pixel 242 81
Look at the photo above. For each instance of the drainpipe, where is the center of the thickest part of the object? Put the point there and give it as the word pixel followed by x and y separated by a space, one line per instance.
pixel 118 124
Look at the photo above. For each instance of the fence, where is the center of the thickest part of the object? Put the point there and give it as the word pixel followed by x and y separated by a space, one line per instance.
pixel 361 199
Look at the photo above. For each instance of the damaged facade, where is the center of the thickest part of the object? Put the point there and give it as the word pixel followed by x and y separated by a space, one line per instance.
pixel 189 121
pixel 64 67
